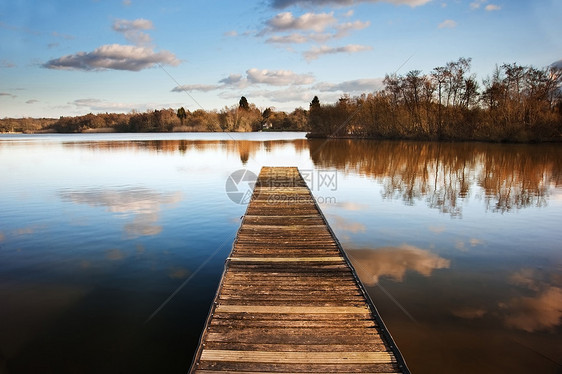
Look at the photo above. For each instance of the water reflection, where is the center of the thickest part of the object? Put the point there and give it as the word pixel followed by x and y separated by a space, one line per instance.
pixel 442 174
pixel 542 310
pixel 484 291
pixel 142 204
pixel 394 262
pixel 244 149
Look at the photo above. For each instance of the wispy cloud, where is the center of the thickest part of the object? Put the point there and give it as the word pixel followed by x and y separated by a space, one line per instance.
pixel 6 94
pixel 286 3
pixel 32 101
pixel 289 86
pixel 352 86
pixel 447 24
pixel 97 105
pixel 131 30
pixel 288 39
pixel 278 77
pixel 477 4
pixel 7 64
pixel 233 80
pixel 316 52
pixel 253 76
pixel 195 87
pixel 62 36
pixel 492 7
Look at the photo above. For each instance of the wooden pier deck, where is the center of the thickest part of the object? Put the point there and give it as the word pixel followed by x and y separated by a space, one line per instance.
pixel 289 300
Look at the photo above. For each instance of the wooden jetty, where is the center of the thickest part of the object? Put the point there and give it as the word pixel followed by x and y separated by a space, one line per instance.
pixel 289 300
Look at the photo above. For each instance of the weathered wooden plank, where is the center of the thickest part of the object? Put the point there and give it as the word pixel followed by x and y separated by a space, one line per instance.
pixel 299 368
pixel 286 259
pixel 354 347
pixel 289 301
pixel 293 317
pixel 294 336
pixel 220 308
pixel 274 323
pixel 298 357
pixel 280 372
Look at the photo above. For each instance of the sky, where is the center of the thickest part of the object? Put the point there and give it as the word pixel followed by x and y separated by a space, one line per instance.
pixel 66 58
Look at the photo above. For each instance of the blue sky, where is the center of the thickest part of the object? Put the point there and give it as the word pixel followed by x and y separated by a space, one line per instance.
pixel 75 57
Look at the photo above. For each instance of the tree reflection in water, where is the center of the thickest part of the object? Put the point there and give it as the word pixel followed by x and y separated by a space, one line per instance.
pixel 507 177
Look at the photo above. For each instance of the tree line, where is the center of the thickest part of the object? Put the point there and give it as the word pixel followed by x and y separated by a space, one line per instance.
pixel 243 117
pixel 517 103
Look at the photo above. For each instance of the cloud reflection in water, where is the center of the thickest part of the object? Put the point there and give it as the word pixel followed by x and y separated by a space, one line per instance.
pixel 141 203
pixel 543 311
pixel 393 262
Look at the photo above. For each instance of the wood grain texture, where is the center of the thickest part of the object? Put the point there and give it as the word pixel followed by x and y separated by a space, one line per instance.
pixel 289 301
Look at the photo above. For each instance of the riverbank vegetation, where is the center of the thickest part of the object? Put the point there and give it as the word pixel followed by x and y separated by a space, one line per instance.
pixel 243 117
pixel 515 104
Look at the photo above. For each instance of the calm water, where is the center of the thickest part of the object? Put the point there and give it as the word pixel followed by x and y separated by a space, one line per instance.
pixel 459 245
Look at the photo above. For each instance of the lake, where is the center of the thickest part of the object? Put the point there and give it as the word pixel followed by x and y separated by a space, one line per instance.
pixel 112 245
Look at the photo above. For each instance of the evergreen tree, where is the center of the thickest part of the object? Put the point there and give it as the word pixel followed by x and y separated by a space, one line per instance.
pixel 244 103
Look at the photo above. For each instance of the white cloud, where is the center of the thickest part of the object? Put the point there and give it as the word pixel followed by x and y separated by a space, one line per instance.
pixel 447 24
pixel 62 36
pixel 96 105
pixel 231 33
pixel 287 95
pixel 310 27
pixel 316 52
pixel 131 30
pixel 286 3
pixel 492 7
pixel 195 87
pixel 234 80
pixel 253 77
pixel 122 25
pixel 352 86
pixel 278 77
pixel 114 57
pixel 345 28
pixel 476 4
pixel 288 39
pixel 309 21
